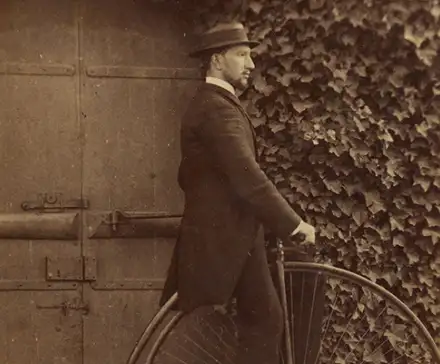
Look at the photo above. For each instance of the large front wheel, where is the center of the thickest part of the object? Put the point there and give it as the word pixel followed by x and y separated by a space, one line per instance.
pixel 363 323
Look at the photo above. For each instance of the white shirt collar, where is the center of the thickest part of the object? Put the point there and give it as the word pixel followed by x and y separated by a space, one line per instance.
pixel 221 83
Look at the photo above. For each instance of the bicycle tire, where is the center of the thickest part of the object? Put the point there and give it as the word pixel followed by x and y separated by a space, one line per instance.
pixel 316 268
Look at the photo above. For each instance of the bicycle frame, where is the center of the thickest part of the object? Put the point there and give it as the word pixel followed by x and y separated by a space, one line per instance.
pixel 281 277
pixel 283 266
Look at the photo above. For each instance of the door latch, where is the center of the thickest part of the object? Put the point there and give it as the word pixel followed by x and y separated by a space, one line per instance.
pixel 54 202
pixel 74 305
pixel 118 217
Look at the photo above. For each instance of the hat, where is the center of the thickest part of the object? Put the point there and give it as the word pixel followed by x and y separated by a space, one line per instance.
pixel 223 35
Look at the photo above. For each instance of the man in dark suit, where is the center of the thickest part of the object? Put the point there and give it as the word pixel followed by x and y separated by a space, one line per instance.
pixel 220 252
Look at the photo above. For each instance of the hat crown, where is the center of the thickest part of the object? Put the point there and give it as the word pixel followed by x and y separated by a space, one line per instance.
pixel 225 26
pixel 223 35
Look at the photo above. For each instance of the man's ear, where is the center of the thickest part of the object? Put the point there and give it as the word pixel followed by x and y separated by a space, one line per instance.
pixel 216 61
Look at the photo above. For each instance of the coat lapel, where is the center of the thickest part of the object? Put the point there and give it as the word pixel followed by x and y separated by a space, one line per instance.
pixel 235 100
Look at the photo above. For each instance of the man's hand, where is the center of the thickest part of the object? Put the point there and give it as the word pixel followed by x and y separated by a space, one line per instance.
pixel 308 232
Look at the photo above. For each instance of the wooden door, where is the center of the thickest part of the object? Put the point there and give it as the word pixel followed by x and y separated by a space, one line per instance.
pixel 90 98
pixel 136 82
pixel 40 170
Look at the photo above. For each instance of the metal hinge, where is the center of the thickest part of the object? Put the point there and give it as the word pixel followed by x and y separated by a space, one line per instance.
pixel 74 305
pixel 71 269
pixel 54 202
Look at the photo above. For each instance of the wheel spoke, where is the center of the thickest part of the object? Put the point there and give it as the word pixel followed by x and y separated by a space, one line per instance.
pixel 340 337
pixel 364 323
pixel 176 358
pixel 377 349
pixel 292 316
pixel 310 319
pixel 202 349
pixel 401 356
pixel 219 337
pixel 185 349
pixel 365 333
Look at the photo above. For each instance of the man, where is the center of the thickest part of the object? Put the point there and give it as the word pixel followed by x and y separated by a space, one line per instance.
pixel 220 252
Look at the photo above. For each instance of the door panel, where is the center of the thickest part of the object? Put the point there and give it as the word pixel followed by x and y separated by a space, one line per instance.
pixel 170 100
pixel 112 329
pixel 35 331
pixel 40 153
pixel 38 31
pixel 117 136
pixel 91 96
pixel 39 146
pixel 134 33
pixel 136 81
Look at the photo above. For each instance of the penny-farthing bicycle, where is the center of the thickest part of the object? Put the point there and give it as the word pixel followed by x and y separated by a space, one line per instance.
pixel 360 322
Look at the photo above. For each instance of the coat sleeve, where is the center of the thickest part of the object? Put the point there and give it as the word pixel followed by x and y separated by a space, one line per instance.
pixel 222 131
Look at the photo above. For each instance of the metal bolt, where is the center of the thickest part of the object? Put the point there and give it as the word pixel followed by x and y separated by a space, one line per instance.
pixel 51 199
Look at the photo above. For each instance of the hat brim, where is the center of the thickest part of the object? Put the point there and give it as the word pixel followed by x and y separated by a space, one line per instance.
pixel 214 47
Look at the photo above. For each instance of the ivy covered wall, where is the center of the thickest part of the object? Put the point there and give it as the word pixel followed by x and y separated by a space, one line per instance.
pixel 346 104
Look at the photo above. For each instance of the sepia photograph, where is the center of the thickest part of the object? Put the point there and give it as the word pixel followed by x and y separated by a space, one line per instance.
pixel 219 181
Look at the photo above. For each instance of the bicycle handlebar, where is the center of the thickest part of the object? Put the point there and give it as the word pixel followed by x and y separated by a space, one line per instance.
pixel 300 248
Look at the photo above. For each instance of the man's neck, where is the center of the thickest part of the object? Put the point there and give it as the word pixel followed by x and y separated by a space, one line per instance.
pixel 221 83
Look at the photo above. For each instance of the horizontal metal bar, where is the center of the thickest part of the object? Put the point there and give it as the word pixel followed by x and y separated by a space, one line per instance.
pixel 146 227
pixel 143 72
pixel 26 285
pixel 129 285
pixel 55 203
pixel 124 216
pixel 7 68
pixel 28 225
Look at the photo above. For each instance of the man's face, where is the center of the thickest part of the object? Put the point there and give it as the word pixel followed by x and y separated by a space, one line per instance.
pixel 236 65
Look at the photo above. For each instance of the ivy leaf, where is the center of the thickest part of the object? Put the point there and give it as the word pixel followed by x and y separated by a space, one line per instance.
pixel 374 202
pixel 393 339
pixel 375 357
pixel 261 85
pixel 434 234
pixel 301 106
pixel 412 255
pixel 360 215
pixel 346 206
pixel 426 244
pixel 275 127
pixel 424 182
pixel 287 48
pixel 334 186
pixel 255 6
pixel 316 4
pixel 435 309
pixel 396 223
pixel 258 121
pixel 286 62
pixel 393 312
pixel 399 240
pixel 427 279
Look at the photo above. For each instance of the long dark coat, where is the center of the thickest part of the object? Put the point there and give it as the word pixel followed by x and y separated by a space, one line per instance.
pixel 228 200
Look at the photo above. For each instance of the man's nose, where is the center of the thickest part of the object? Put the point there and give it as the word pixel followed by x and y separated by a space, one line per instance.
pixel 250 63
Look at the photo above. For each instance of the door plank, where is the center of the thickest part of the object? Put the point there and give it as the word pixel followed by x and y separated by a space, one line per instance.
pixel 137 82
pixel 40 152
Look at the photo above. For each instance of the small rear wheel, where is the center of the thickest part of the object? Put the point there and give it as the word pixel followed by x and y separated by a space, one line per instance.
pixel 205 335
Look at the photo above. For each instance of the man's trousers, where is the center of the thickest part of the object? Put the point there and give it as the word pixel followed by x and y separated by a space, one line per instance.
pixel 260 315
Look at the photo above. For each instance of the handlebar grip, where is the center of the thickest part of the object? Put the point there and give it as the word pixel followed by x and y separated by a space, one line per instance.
pixel 298 238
